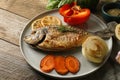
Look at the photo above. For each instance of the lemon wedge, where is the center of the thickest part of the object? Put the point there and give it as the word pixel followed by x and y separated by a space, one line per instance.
pixel 117 31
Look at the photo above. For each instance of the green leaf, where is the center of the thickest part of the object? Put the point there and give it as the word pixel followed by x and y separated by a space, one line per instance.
pixel 62 2
pixel 52 4
pixel 69 1
pixel 57 3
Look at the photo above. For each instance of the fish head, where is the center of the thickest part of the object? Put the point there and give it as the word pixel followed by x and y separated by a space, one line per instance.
pixel 36 37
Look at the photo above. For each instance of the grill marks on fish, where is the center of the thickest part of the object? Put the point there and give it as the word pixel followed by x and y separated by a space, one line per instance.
pixel 51 39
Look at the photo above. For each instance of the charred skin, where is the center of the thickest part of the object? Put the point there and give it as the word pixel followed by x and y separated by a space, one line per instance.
pixel 53 39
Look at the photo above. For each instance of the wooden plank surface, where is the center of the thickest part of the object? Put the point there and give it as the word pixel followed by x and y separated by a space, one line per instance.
pixel 26 8
pixel 11 26
pixel 14 14
pixel 13 66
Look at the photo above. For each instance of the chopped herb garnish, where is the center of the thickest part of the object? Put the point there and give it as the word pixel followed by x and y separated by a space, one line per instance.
pixel 66 29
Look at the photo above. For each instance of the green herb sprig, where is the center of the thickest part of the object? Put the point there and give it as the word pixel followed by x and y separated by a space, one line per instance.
pixel 66 29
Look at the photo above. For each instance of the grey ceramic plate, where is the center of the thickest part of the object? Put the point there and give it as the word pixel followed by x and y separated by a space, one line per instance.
pixel 33 57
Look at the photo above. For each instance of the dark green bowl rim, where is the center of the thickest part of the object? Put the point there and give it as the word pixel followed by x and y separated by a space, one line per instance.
pixel 106 12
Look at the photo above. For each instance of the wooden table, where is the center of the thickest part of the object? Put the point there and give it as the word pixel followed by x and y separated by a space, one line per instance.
pixel 14 14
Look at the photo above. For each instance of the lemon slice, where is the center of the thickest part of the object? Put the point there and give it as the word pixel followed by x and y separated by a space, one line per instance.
pixel 50 20
pixel 117 31
pixel 36 24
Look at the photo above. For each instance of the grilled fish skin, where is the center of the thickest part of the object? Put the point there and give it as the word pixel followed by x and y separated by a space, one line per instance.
pixel 56 38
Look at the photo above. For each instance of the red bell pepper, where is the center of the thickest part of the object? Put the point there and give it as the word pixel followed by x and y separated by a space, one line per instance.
pixel 73 14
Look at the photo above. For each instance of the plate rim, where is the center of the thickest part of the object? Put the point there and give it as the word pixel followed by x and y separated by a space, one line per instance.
pixel 63 77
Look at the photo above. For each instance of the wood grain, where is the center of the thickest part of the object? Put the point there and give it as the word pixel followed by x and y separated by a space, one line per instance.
pixel 11 26
pixel 26 8
pixel 14 15
pixel 13 66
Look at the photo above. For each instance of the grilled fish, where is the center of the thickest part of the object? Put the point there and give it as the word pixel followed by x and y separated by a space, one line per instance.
pixel 56 38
